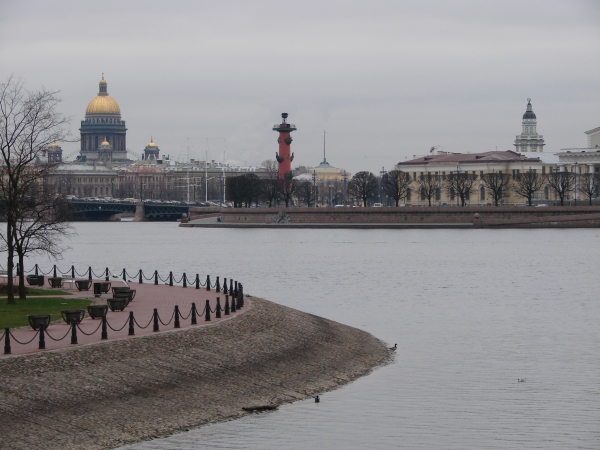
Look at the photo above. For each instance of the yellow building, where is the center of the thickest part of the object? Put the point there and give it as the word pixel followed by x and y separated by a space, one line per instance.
pixel 443 164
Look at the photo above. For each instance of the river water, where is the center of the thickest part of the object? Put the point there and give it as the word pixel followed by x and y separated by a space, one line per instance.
pixel 472 311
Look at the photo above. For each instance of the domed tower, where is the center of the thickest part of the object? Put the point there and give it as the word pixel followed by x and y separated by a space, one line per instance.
pixel 105 151
pixel 54 153
pixel 103 122
pixel 151 151
pixel 529 140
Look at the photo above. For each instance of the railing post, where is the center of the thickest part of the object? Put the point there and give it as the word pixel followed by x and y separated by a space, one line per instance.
pixel 124 275
pixel 155 316
pixel 218 309
pixel 241 293
pixel 208 282
pixel 170 278
pixel 197 281
pixel 155 277
pixel 231 286
pixel 42 343
pixel 225 286
pixel 73 272
pixel 54 270
pixel 7 340
pixel 73 333
pixel 233 308
pixel 194 319
pixel 141 280
pixel 218 286
pixel 89 272
pixel 177 324
pixel 226 305
pixel 184 280
pixel 104 331
pixel 207 314
pixel 131 329
pixel 36 269
pixel 106 275
pixel 239 303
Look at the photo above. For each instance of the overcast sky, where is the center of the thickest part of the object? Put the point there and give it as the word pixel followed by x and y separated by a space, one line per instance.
pixel 386 79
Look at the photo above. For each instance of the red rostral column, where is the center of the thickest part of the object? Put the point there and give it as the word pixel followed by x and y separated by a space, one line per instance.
pixel 284 158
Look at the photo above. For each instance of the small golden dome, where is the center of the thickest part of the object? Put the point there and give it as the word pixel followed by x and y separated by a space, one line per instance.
pixel 103 104
pixel 105 142
pixel 54 144
pixel 151 144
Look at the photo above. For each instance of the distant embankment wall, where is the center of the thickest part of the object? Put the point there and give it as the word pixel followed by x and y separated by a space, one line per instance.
pixel 476 217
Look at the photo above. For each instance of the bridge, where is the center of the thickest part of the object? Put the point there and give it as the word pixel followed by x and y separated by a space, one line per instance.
pixel 142 211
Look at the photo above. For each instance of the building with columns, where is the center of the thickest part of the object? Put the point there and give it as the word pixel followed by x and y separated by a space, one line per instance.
pixel 103 132
pixel 529 140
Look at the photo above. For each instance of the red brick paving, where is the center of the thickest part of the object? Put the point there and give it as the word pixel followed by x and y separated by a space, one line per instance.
pixel 148 296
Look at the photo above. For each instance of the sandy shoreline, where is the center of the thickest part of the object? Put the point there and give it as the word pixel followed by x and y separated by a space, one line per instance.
pixel 120 392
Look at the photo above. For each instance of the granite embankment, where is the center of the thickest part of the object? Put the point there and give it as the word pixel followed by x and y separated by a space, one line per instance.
pixel 108 394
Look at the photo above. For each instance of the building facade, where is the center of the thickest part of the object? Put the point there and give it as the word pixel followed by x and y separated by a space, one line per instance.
pixel 529 140
pixel 103 125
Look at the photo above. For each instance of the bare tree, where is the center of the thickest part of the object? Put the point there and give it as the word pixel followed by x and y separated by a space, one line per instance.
pixel 497 183
pixel 429 185
pixel 41 223
pixel 287 189
pixel 589 183
pixel 29 122
pixel 363 185
pixel 306 192
pixel 460 184
pixel 562 183
pixel 270 186
pixel 395 183
pixel 528 183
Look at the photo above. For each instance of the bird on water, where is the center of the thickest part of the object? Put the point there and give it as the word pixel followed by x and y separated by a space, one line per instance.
pixel 393 349
pixel 521 380
pixel 317 399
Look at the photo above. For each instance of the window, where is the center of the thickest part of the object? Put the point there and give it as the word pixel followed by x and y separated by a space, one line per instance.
pixel 414 176
pixel 546 193
pixel 451 193
pixel 468 195
pixel 544 171
pixel 482 193
pixel 422 194
pixel 438 194
pixel 408 195
pixel 443 175
pixel 481 173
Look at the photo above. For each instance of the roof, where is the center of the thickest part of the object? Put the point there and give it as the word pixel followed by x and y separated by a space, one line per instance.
pixel 595 130
pixel 546 158
pixel 473 158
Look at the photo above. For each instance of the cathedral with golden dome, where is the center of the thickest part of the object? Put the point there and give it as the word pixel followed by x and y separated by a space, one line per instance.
pixel 103 132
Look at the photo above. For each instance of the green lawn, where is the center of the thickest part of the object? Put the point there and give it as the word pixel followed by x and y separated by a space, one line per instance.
pixel 16 315
pixel 38 291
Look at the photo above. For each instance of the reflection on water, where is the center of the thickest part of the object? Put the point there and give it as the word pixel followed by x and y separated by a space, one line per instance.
pixel 471 310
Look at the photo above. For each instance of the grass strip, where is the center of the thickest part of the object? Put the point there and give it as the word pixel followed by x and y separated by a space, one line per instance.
pixel 16 315
pixel 38 291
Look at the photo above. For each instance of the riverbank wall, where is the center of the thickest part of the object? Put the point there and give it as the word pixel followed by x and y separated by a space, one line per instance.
pixel 109 394
pixel 404 217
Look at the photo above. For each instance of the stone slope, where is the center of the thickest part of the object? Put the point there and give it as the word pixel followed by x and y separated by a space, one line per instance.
pixel 109 394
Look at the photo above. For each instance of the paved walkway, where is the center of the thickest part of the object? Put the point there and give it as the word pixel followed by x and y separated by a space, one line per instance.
pixel 148 296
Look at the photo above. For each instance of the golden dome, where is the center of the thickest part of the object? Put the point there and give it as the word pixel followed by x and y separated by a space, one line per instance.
pixel 105 142
pixel 54 144
pixel 103 103
pixel 151 144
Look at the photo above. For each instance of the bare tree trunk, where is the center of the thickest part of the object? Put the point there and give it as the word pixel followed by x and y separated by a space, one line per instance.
pixel 22 293
pixel 9 263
